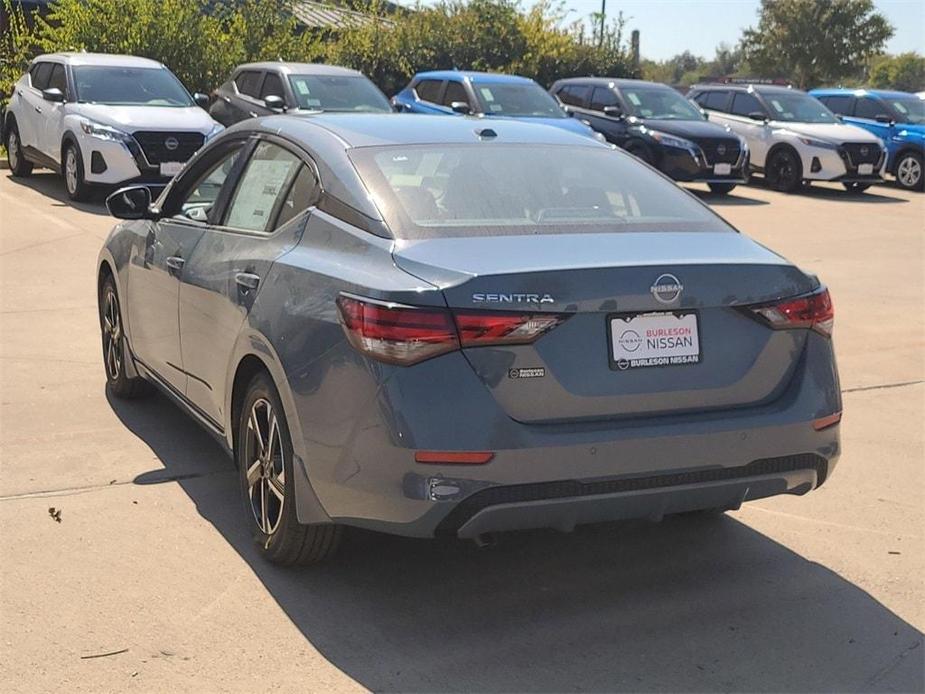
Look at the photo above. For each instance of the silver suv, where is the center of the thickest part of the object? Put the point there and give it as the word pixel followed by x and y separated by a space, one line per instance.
pixel 103 119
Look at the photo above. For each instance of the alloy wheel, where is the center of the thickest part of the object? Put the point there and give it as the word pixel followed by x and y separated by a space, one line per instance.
pixel 70 170
pixel 784 171
pixel 909 172
pixel 12 150
pixel 112 336
pixel 266 471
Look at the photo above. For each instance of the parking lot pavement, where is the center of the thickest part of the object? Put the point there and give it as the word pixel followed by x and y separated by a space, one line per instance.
pixel 151 561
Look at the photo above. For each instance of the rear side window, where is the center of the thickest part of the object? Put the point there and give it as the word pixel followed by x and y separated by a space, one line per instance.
pixel 40 73
pixel 744 103
pixel 301 195
pixel 838 104
pixel 455 92
pixel 602 97
pixel 428 90
pixel 427 191
pixel 262 189
pixel 573 94
pixel 272 86
pixel 248 82
pixel 715 101
pixel 58 79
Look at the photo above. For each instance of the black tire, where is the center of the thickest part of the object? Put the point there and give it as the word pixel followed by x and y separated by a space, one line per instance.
pixel 269 496
pixel 856 186
pixel 115 346
pixel 721 188
pixel 77 188
pixel 19 165
pixel 910 171
pixel 783 171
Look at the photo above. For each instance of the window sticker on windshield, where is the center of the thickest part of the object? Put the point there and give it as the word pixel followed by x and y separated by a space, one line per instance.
pixel 635 99
pixel 899 107
pixel 313 102
pixel 486 94
pixel 777 107
pixel 497 107
pixel 646 112
pixel 303 88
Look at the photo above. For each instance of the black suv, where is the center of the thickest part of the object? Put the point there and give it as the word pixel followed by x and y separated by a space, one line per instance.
pixel 659 126
pixel 263 89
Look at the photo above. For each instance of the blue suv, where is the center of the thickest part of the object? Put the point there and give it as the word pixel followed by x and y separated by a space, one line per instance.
pixel 897 118
pixel 485 94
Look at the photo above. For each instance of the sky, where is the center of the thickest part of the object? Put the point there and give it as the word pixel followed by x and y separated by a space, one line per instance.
pixel 668 27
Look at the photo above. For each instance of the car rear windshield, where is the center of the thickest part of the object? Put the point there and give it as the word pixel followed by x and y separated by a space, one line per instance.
pixel 488 189
pixel 798 108
pixel 659 104
pixel 337 93
pixel 909 109
pixel 129 86
pixel 520 100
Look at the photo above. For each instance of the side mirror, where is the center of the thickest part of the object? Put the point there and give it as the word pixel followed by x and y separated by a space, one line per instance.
pixel 202 100
pixel 613 111
pixel 132 202
pixel 705 114
pixel 883 118
pixel 53 94
pixel 758 115
pixel 275 103
pixel 461 107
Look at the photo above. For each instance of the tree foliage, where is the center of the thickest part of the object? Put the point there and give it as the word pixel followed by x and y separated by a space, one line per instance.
pixel 905 72
pixel 815 41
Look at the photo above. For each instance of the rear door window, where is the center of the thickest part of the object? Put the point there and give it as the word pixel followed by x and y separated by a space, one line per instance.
pixel 744 103
pixel 262 189
pixel 248 82
pixel 40 73
pixel 428 90
pixel 715 100
pixel 574 94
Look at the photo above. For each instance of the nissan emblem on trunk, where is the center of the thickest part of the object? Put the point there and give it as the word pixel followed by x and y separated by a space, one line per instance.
pixel 171 143
pixel 666 289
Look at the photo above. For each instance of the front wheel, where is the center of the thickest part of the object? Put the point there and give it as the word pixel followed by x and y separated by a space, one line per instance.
pixel 721 188
pixel 856 186
pixel 784 172
pixel 264 457
pixel 909 171
pixel 77 188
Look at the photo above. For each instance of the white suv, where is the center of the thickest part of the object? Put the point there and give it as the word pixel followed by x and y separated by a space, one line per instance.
pixel 793 138
pixel 103 119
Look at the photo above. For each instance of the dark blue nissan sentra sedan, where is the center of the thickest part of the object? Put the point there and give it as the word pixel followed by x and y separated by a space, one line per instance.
pixel 437 326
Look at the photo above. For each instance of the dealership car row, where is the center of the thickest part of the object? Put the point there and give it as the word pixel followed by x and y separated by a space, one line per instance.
pixel 106 120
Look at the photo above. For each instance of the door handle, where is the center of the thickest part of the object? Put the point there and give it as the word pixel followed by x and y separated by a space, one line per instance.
pixel 38 110
pixel 175 264
pixel 254 115
pixel 247 281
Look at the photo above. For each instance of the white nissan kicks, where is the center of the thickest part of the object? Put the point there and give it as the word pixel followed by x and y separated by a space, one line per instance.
pixel 794 139
pixel 103 120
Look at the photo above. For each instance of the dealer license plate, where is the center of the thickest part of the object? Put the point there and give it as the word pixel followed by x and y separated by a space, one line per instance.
pixel 171 168
pixel 722 169
pixel 865 169
pixel 654 339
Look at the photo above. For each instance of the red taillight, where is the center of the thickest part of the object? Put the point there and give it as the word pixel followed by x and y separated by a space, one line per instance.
pixel 404 335
pixel 811 311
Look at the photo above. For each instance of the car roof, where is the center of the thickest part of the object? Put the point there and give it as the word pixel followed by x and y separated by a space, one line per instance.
pixel 845 91
pixel 472 76
pixel 103 59
pixel 617 82
pixel 760 88
pixel 301 68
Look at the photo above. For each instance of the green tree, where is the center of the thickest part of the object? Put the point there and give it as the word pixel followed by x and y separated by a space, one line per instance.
pixel 814 41
pixel 17 47
pixel 905 72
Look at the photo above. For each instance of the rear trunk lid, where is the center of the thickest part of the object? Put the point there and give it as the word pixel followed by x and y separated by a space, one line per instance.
pixel 604 283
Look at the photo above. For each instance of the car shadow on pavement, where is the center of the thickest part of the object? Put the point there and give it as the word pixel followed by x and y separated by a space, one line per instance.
pixel 692 603
pixel 730 199
pixel 823 191
pixel 51 185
